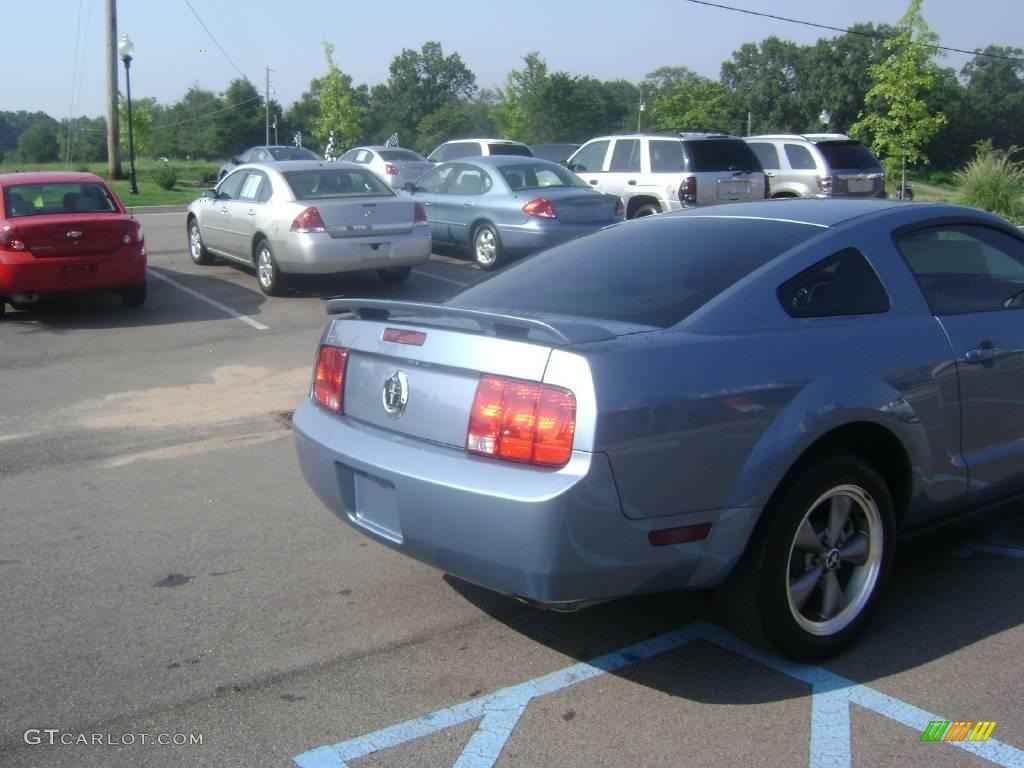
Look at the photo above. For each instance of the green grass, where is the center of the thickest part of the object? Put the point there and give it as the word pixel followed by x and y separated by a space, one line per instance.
pixel 194 178
pixel 934 193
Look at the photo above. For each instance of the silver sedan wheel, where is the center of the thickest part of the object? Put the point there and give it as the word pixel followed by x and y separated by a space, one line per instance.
pixel 265 267
pixel 486 247
pixel 835 560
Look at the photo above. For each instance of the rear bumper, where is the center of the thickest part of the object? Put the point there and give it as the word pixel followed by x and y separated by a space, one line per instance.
pixel 21 272
pixel 320 254
pixel 538 234
pixel 554 537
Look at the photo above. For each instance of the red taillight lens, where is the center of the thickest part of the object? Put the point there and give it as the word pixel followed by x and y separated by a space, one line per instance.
pixel 420 217
pixel 620 209
pixel 132 233
pixel 540 207
pixel 688 191
pixel 329 383
pixel 522 421
pixel 390 170
pixel 309 221
pixel 10 239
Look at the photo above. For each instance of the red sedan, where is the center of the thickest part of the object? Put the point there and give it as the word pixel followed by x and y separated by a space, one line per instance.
pixel 63 233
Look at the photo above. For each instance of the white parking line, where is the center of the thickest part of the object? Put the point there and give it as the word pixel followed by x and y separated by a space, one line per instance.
pixel 213 302
pixel 438 277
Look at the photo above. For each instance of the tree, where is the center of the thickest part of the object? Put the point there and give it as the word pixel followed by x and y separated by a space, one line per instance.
pixel 995 95
pixel 340 110
pixel 762 82
pixel 242 123
pixel 142 126
pixel 301 116
pixel 83 140
pixel 896 112
pixel 38 143
pixel 687 100
pixel 520 112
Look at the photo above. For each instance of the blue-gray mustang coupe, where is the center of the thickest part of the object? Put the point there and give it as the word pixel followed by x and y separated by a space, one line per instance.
pixel 759 398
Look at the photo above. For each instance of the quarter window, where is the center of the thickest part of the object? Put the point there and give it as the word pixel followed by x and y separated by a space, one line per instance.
pixel 800 158
pixel 966 268
pixel 842 284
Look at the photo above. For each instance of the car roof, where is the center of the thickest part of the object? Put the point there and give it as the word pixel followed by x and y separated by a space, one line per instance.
pixel 814 138
pixel 281 166
pixel 41 177
pixel 489 141
pixel 819 212
pixel 499 161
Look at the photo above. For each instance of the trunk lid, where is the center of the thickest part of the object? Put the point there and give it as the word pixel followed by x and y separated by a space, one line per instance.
pixel 72 234
pixel 363 217
pixel 575 208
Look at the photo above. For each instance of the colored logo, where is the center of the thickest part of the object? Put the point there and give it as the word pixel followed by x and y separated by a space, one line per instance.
pixel 958 730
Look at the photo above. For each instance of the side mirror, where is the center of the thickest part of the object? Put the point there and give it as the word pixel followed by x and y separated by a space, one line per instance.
pixel 410 187
pixel 210 193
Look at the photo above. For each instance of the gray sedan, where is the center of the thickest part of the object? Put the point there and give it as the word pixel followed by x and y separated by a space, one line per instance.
pixel 502 206
pixel 759 398
pixel 397 166
pixel 308 217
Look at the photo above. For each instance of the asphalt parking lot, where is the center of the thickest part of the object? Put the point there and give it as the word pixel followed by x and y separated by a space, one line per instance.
pixel 167 576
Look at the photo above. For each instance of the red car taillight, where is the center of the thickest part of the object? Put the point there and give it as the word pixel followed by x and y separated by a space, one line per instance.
pixel 541 207
pixel 309 221
pixel 419 218
pixel 824 184
pixel 688 191
pixel 132 233
pixel 390 170
pixel 329 382
pixel 522 421
pixel 10 239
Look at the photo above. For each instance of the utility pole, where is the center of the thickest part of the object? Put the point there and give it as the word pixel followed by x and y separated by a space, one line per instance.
pixel 266 101
pixel 113 124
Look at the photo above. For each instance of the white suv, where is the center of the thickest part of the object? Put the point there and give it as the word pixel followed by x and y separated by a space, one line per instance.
pixel 818 164
pixel 659 172
pixel 453 150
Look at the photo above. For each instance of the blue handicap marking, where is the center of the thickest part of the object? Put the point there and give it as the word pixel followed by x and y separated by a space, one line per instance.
pixel 499 712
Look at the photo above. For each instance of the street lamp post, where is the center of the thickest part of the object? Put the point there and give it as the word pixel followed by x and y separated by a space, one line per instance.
pixel 126 48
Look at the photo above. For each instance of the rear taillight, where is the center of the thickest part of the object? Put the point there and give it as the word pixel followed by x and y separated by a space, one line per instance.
pixel 419 218
pixel 329 381
pixel 132 233
pixel 541 207
pixel 824 184
pixel 620 209
pixel 390 170
pixel 688 191
pixel 10 239
pixel 309 221
pixel 522 421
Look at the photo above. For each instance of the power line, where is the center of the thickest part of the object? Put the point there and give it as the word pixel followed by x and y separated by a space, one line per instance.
pixel 862 33
pixel 215 41
pixel 74 79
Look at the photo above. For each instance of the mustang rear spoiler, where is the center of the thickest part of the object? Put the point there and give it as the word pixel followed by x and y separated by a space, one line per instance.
pixel 561 332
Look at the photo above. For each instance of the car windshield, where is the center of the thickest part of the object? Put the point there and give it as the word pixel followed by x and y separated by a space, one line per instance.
pixel 58 197
pixel 510 149
pixel 647 271
pixel 722 155
pixel 536 175
pixel 847 154
pixel 321 183
pixel 292 153
pixel 398 155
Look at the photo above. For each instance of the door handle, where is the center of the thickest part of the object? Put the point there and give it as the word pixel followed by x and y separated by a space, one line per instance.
pixel 252 212
pixel 467 205
pixel 224 209
pixel 632 182
pixel 987 352
pixel 593 181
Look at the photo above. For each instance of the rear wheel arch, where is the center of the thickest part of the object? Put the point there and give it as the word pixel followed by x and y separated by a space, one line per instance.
pixel 641 201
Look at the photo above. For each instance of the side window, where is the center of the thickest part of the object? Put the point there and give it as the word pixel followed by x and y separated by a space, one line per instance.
pixel 463 149
pixel 230 187
pixel 966 268
pixel 350 156
pixel 434 181
pixel 626 156
pixel 364 156
pixel 666 156
pixel 842 284
pixel 800 158
pixel 767 154
pixel 591 158
pixel 255 188
pixel 469 181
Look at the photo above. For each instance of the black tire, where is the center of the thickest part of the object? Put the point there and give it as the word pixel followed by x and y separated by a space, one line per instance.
pixel 268 275
pixel 804 591
pixel 134 296
pixel 646 210
pixel 394 275
pixel 488 252
pixel 196 249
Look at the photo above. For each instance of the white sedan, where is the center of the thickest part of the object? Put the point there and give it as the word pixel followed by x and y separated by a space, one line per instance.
pixel 308 217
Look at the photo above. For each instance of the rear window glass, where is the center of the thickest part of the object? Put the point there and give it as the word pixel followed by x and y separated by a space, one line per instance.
pixel 292 153
pixel 57 197
pixel 722 155
pixel 536 175
pixel 510 149
pixel 848 154
pixel 321 183
pixel 394 155
pixel 652 272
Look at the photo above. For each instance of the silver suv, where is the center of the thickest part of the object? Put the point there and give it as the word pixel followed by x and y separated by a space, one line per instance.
pixel 658 172
pixel 818 164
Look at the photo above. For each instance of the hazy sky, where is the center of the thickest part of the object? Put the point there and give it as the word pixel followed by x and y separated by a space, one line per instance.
pixel 601 38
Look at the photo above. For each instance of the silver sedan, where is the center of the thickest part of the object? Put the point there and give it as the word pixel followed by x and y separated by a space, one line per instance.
pixel 308 217
pixel 395 165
